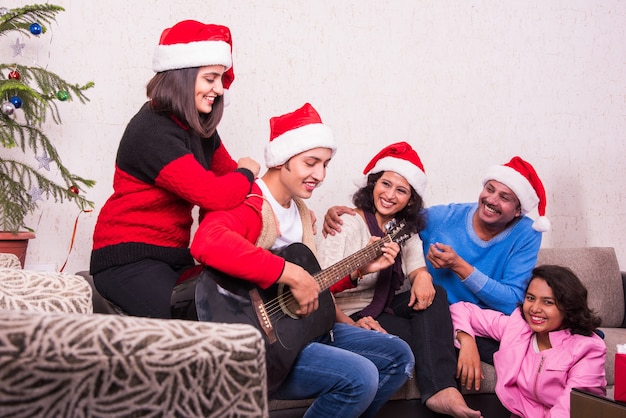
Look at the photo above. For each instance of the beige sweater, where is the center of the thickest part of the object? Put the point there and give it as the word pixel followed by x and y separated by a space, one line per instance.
pixel 355 235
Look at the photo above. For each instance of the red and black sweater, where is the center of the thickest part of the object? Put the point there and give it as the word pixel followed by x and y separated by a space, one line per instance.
pixel 163 170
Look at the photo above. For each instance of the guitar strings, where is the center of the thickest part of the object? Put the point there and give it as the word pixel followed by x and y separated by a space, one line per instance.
pixel 328 276
pixel 274 308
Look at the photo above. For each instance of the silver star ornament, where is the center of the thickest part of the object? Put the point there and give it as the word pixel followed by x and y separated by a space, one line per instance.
pixel 35 194
pixel 18 48
pixel 44 161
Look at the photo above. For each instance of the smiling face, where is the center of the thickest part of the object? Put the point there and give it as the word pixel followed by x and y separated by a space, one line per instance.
pixel 302 174
pixel 497 205
pixel 208 87
pixel 391 194
pixel 540 309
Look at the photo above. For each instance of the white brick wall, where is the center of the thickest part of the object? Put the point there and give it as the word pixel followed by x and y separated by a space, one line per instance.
pixel 467 83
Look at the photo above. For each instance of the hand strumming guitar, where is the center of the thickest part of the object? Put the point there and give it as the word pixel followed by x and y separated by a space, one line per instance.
pixel 303 287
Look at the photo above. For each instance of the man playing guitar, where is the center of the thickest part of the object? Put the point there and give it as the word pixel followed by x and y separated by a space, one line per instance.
pixel 350 371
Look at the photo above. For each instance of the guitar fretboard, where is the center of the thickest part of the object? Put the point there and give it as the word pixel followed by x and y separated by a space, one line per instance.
pixel 331 275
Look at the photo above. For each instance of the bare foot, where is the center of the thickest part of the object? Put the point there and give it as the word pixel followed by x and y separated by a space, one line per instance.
pixel 449 401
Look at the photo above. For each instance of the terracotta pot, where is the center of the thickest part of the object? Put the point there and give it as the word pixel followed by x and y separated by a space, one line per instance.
pixel 15 244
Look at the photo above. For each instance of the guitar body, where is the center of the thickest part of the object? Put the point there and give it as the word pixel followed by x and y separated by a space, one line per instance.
pixel 216 297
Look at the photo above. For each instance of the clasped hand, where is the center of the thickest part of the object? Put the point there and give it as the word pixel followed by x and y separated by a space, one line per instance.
pixel 442 256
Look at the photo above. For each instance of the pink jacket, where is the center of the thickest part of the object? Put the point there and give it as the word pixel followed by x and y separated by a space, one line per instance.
pixel 538 385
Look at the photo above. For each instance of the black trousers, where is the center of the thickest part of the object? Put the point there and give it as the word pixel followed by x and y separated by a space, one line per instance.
pixel 143 288
pixel 430 335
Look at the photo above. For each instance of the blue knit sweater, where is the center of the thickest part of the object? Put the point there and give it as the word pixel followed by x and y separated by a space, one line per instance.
pixel 502 265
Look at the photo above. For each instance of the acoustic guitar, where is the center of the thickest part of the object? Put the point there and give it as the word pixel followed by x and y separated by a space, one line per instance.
pixel 217 297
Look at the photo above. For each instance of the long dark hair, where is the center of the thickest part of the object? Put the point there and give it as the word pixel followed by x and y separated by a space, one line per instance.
pixel 413 213
pixel 173 92
pixel 570 296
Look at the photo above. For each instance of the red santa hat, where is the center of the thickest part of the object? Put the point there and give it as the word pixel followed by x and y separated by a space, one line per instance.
pixel 296 132
pixel 521 177
pixel 401 159
pixel 190 44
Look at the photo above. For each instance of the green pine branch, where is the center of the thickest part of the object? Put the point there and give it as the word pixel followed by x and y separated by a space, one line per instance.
pixel 38 89
pixel 20 19
pixel 16 200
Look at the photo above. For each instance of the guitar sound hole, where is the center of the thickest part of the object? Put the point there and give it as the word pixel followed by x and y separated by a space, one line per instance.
pixel 287 302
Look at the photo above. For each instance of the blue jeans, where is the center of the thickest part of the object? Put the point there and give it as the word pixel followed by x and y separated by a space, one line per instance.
pixel 351 374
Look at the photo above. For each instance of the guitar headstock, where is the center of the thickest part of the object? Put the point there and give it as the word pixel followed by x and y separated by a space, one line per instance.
pixel 398 231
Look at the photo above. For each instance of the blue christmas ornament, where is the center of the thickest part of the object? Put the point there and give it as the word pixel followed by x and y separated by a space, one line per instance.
pixel 17 102
pixel 35 29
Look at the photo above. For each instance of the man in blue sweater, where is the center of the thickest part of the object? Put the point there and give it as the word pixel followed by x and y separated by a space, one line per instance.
pixel 484 252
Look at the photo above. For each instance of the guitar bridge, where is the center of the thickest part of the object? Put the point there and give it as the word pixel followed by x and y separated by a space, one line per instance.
pixel 262 316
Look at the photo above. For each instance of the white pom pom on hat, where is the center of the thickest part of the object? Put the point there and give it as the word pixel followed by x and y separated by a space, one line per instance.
pixel 400 158
pixel 520 176
pixel 296 132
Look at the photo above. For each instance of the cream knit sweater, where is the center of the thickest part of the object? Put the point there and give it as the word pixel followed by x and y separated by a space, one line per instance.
pixel 355 235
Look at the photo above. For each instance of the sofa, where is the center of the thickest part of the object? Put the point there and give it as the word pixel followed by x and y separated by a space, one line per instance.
pixel 59 359
pixel 75 363
pixel 598 269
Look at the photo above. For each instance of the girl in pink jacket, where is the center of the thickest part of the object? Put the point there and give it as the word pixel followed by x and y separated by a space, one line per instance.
pixel 547 346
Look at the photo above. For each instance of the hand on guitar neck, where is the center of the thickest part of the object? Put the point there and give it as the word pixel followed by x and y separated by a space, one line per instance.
pixel 389 250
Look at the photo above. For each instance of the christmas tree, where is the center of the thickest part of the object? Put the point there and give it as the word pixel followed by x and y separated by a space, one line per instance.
pixel 28 96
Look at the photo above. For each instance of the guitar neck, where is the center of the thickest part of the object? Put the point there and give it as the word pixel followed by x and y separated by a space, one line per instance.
pixel 331 275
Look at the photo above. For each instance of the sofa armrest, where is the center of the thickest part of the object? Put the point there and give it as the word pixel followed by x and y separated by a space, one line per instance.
pixel 56 364
pixel 42 291
pixel 9 260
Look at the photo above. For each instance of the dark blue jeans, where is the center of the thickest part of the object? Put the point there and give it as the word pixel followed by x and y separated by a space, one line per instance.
pixel 352 375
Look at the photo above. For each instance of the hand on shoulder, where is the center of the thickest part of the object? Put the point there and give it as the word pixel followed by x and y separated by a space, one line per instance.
pixel 332 220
